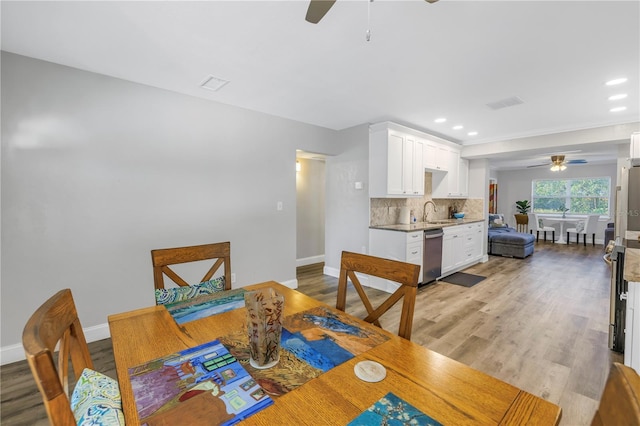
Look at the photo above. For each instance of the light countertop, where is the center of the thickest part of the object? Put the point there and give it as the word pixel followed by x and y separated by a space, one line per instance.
pixel 423 226
pixel 632 257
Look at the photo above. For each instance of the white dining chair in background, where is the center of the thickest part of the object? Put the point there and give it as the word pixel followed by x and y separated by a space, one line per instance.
pixel 537 224
pixel 584 228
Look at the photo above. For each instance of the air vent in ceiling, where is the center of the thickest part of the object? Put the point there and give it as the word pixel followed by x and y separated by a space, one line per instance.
pixel 504 103
pixel 213 83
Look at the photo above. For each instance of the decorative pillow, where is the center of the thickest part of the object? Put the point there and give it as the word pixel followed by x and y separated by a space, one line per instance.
pixel 496 218
pixel 540 223
pixel 497 225
pixel 178 294
pixel 96 400
pixel 579 227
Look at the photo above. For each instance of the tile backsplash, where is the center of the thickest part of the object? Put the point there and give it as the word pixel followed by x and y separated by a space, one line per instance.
pixel 386 211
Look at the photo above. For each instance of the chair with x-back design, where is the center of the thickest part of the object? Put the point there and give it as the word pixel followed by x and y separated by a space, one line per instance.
pixel 163 259
pixel 405 274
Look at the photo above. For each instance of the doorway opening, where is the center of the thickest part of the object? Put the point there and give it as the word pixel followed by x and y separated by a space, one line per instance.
pixel 310 208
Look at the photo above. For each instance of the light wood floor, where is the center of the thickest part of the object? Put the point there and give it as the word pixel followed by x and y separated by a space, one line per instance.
pixel 539 323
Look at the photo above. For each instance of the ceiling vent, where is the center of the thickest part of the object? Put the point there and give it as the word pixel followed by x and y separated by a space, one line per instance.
pixel 213 83
pixel 504 103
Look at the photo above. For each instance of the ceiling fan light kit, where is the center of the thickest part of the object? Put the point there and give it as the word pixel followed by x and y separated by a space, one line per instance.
pixel 558 163
pixel 558 168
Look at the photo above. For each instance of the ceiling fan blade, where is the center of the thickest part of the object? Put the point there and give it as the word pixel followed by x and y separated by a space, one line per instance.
pixel 576 162
pixel 539 165
pixel 317 9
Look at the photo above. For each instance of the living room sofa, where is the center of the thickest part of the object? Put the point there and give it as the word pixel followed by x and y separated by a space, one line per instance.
pixel 506 241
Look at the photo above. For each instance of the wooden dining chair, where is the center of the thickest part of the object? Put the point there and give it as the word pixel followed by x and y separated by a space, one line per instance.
pixel 620 401
pixel 162 259
pixel 405 274
pixel 54 323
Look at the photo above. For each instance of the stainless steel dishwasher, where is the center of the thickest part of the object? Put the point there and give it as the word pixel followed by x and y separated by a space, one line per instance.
pixel 432 255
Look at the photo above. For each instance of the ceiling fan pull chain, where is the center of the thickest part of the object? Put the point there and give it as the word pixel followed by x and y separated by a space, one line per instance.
pixel 368 34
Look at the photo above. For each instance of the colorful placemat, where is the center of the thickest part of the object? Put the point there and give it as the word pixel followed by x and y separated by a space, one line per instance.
pixel 206 305
pixel 313 342
pixel 200 385
pixel 390 410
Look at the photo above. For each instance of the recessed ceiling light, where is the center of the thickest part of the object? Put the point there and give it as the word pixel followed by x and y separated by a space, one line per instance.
pixel 616 81
pixel 618 96
pixel 440 120
pixel 472 133
pixel 618 109
pixel 458 127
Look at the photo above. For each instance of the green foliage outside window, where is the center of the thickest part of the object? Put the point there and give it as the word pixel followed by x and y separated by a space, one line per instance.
pixel 577 196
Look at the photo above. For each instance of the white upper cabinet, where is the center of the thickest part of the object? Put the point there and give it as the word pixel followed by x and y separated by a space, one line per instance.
pixel 455 182
pixel 418 165
pixel 399 157
pixel 463 178
pixel 435 156
pixel 396 163
pixel 396 167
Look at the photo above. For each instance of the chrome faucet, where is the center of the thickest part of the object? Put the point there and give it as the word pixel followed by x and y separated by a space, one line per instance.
pixel 425 217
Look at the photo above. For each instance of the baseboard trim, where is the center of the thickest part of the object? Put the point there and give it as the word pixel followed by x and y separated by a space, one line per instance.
pixel 332 272
pixel 14 353
pixel 292 284
pixel 310 260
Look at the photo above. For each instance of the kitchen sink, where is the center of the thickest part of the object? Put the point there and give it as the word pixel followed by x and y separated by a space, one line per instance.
pixel 435 222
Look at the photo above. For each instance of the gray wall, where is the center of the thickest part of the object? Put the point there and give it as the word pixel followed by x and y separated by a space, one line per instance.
pixel 516 185
pixel 347 208
pixel 97 171
pixel 310 184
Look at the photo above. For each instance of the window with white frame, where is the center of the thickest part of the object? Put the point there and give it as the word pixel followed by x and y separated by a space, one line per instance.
pixel 573 196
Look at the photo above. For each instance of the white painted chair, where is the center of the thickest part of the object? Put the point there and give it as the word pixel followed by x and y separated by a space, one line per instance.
pixel 584 228
pixel 536 224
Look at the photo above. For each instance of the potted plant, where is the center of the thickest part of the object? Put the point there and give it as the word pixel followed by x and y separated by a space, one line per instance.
pixel 523 207
pixel 564 211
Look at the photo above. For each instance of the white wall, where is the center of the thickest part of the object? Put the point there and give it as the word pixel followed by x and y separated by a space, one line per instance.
pixel 515 185
pixel 479 186
pixel 310 201
pixel 347 208
pixel 97 171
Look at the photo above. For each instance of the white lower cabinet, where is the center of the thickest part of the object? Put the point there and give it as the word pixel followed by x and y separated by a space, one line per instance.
pixel 394 245
pixel 462 246
pixel 451 242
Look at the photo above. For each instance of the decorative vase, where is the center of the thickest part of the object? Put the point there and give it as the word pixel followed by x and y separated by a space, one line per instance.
pixel 264 326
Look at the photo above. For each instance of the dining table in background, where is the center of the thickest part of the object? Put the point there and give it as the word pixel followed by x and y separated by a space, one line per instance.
pixel 444 389
pixel 561 221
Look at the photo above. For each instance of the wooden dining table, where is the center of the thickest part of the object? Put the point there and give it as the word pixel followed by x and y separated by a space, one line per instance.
pixel 444 389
